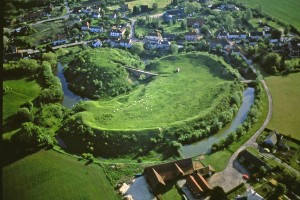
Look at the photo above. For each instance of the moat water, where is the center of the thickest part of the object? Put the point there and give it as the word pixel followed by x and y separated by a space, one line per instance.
pixel 204 146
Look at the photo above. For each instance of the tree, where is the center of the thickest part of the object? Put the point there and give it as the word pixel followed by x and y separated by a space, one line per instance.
pixel 280 189
pixel 219 48
pixel 270 62
pixel 136 9
pixel 24 115
pixel 192 7
pixel 183 24
pixel 127 32
pixel 137 48
pixel 229 23
pixel 155 6
pixel 287 29
pixel 248 15
pixel 218 193
pixel 50 57
pixel 204 30
pixel 174 48
pixel 28 65
pixel 276 34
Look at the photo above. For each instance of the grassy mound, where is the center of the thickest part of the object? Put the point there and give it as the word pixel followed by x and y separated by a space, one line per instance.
pixel 100 72
pixel 172 97
pixel 51 175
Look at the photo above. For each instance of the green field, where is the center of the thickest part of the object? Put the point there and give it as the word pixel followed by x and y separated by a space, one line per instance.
pixel 51 175
pixel 161 4
pixel 22 90
pixel 286 114
pixel 171 97
pixel 285 11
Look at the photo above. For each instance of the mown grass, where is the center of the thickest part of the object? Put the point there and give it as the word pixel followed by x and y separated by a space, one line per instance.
pixel 285 11
pixel 161 4
pixel 286 105
pixel 219 159
pixel 51 175
pixel 21 90
pixel 172 194
pixel 172 97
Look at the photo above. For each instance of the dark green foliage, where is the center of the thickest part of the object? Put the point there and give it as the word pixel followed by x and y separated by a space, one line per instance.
pixel 218 193
pixel 100 73
pixel 24 115
pixel 22 67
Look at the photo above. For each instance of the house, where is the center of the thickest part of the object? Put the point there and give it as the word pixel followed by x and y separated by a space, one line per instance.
pixel 192 36
pixel 23 30
pixel 153 36
pixel 173 14
pixel 251 161
pixel 151 44
pixel 252 41
pixel 61 39
pixel 124 7
pixel 87 10
pixel 271 139
pixel 222 34
pixel 249 195
pixel 144 8
pixel 114 42
pixel 85 28
pixel 164 45
pixel 243 35
pixel 158 176
pixel 117 32
pixel 96 29
pixel 256 35
pixel 206 171
pixel 267 34
pixel 197 184
pixel 195 22
pixel 95 15
pixel 294 47
pixel 77 10
pixel 96 43
pixel 169 37
pixel 233 35
pixel 126 43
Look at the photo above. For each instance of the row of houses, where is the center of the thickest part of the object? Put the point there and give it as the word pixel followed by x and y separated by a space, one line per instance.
pixel 243 35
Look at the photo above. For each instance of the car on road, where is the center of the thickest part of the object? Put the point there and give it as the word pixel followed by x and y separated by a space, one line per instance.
pixel 245 176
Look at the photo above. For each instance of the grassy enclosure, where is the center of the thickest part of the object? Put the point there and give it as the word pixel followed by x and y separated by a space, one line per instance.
pixel 20 91
pixel 285 11
pixel 51 175
pixel 286 114
pixel 161 4
pixel 171 97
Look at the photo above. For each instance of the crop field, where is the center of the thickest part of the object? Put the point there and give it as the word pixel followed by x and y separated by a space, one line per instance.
pixel 285 11
pixel 171 97
pixel 51 175
pixel 21 90
pixel 286 114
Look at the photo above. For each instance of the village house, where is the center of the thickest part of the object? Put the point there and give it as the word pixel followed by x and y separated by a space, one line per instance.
pixel 97 43
pixel 173 14
pixel 164 45
pixel 223 42
pixel 256 35
pixel 271 139
pixel 126 43
pixel 249 195
pixel 267 34
pixel 198 185
pixel 222 34
pixel 169 37
pixel 117 32
pixel 192 36
pixel 294 48
pixel 233 35
pixel 61 39
pixel 77 10
pixel 251 161
pixel 158 176
pixel 195 22
pixel 96 29
pixel 153 36
pixel 95 15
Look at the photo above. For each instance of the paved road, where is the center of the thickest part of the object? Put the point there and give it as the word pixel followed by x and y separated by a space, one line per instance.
pixel 231 176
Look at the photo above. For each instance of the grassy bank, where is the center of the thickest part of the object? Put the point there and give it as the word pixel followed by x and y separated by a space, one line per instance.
pixel 285 11
pixel 51 175
pixel 171 97
pixel 286 114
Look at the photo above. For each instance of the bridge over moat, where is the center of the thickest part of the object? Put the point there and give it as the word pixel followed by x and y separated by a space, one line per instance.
pixel 138 72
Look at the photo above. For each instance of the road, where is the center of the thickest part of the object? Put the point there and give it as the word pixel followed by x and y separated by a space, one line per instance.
pixel 231 176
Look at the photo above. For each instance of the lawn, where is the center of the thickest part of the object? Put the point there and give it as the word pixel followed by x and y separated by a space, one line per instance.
pixel 51 175
pixel 286 113
pixel 171 97
pixel 285 11
pixel 172 194
pixel 22 90
pixel 160 3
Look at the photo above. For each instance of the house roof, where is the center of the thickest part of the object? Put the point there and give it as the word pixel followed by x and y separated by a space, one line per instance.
pixel 191 33
pixel 250 158
pixel 250 195
pixel 206 170
pixel 202 182
pixel 256 33
pixel 271 139
pixel 192 183
pixel 192 21
pixel 168 171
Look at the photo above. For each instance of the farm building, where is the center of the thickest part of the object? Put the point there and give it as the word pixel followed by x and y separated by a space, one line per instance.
pixel 271 139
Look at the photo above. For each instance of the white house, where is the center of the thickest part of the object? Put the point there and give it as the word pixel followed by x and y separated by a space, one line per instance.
pixel 117 32
pixel 125 43
pixel 96 43
pixel 96 29
pixel 153 36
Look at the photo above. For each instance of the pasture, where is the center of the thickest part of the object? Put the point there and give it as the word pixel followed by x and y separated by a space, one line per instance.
pixel 52 175
pixel 286 105
pixel 161 4
pixel 20 91
pixel 285 11
pixel 171 97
